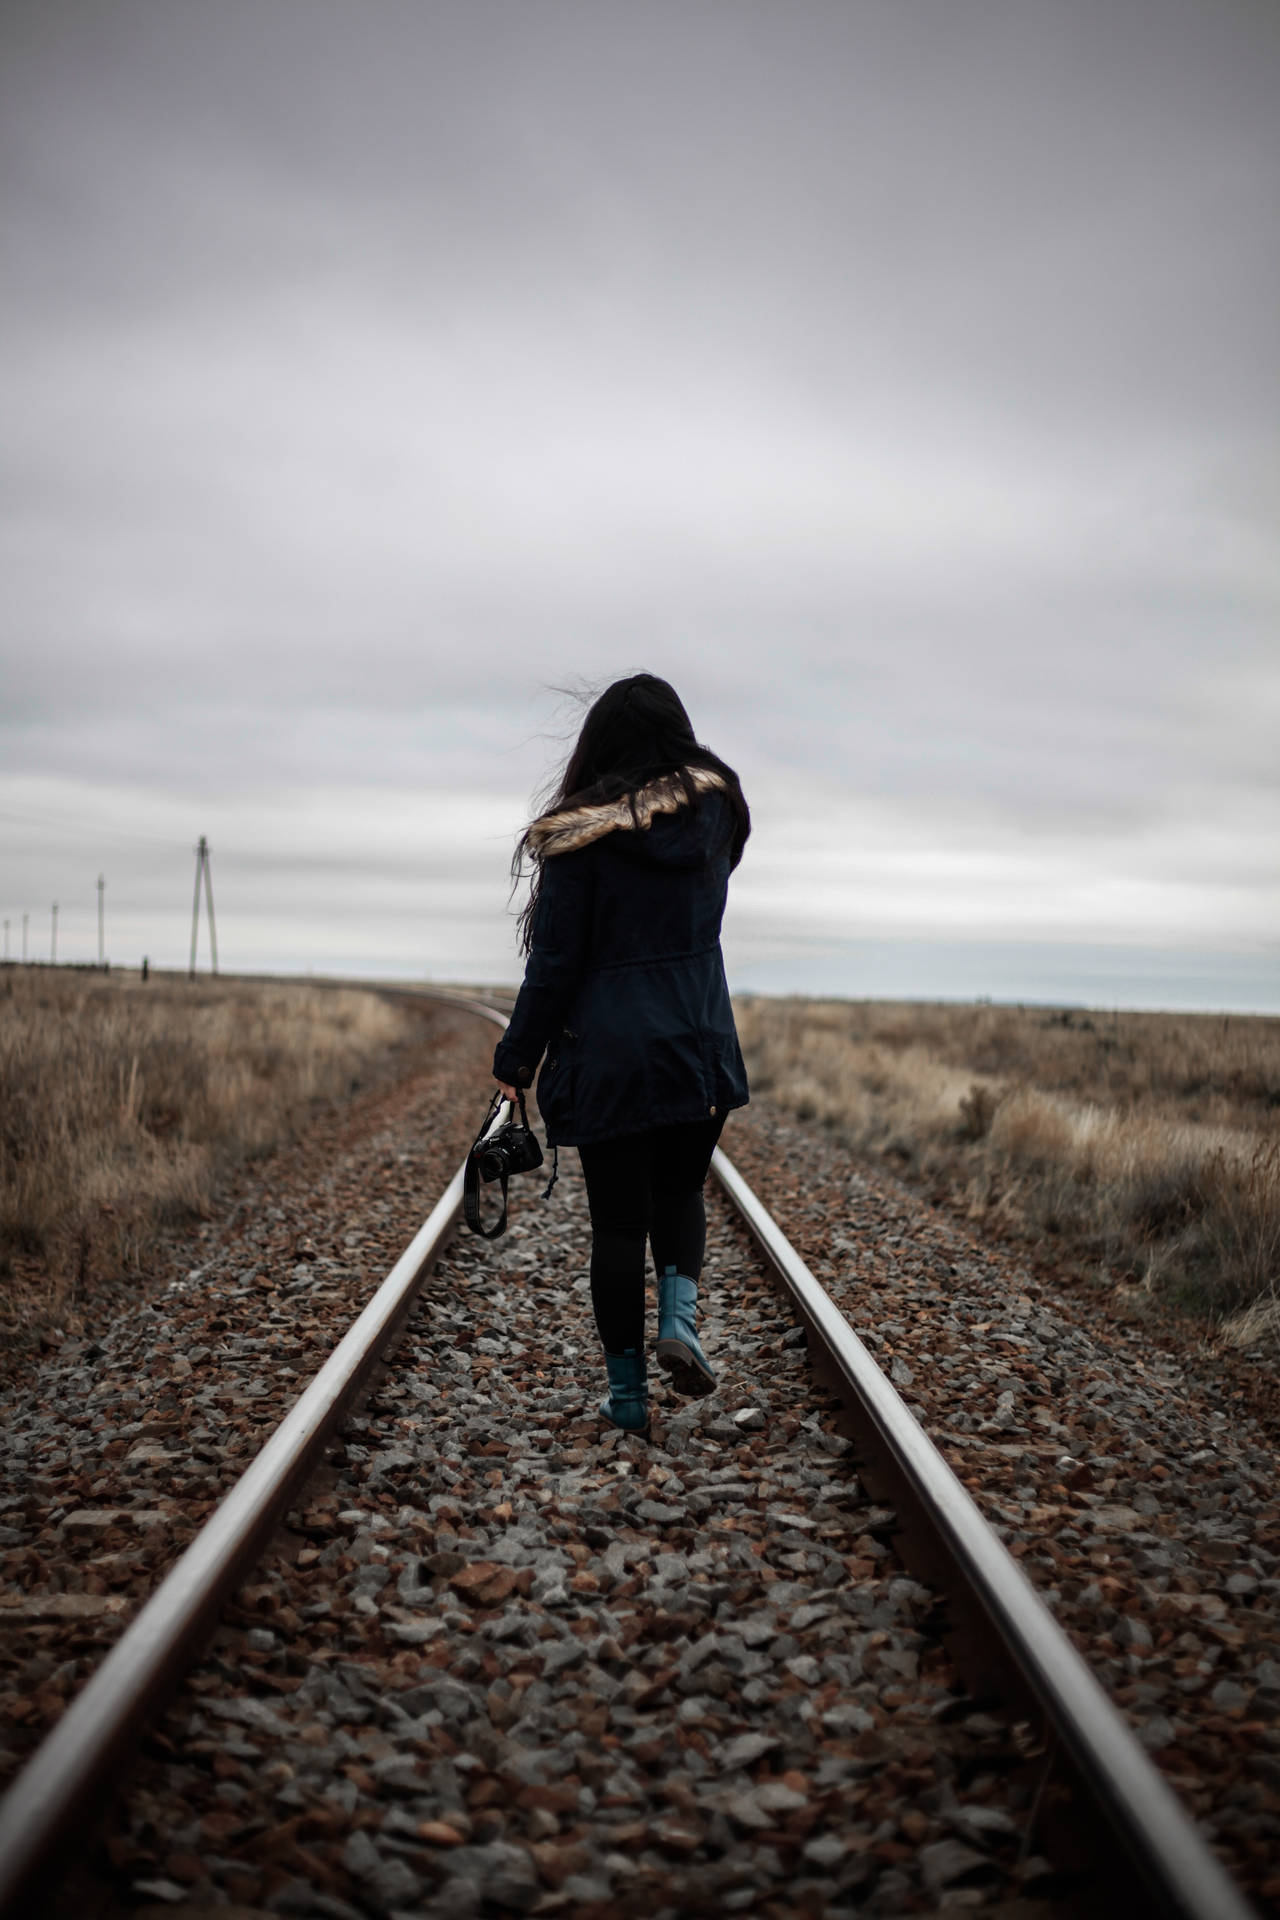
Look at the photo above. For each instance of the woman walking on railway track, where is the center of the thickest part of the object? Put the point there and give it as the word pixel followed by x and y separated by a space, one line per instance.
pixel 624 993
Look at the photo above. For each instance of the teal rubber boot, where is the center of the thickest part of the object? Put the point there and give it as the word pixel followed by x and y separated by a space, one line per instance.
pixel 678 1349
pixel 628 1403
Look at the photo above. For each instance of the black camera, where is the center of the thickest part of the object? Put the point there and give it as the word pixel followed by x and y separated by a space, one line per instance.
pixel 509 1149
pixel 512 1149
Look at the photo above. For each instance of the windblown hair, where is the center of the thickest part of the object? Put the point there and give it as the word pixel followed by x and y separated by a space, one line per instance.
pixel 635 733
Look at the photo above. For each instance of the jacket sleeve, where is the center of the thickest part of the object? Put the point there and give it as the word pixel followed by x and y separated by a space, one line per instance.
pixel 557 961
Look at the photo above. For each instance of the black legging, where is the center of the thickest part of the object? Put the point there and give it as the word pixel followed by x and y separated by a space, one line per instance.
pixel 644 1186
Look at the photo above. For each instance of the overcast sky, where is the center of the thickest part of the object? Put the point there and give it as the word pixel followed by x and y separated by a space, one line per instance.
pixel 900 379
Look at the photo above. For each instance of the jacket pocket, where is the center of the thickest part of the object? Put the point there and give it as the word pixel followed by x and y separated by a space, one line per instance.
pixel 555 1084
pixel 722 1064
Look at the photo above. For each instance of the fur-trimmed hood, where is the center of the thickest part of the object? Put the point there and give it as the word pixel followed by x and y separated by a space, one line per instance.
pixel 577 827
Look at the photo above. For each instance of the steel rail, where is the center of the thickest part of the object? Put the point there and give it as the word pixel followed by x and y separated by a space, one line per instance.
pixel 71 1774
pixel 1008 1639
pixel 1002 1634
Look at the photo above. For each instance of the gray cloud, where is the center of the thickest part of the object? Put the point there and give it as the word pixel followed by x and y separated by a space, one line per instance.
pixel 900 381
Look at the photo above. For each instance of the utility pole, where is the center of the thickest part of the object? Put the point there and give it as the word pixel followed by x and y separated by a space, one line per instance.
pixel 208 898
pixel 25 918
pixel 53 944
pixel 195 909
pixel 102 952
pixel 202 869
pixel 6 939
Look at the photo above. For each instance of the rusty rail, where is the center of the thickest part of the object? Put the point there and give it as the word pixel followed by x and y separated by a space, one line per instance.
pixel 72 1774
pixel 1140 1849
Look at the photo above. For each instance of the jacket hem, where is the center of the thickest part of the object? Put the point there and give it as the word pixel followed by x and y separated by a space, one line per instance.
pixel 680 1119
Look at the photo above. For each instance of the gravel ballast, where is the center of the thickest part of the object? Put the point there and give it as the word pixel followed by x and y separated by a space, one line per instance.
pixel 506 1660
pixel 117 1448
pixel 509 1660
pixel 1134 1478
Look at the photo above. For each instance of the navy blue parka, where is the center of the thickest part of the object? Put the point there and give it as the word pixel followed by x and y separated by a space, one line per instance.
pixel 624 991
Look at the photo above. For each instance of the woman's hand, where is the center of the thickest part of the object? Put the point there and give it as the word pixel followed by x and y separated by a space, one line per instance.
pixel 511 1092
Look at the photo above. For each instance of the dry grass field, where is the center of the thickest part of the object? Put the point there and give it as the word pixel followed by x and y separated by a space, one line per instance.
pixel 124 1105
pixel 1144 1146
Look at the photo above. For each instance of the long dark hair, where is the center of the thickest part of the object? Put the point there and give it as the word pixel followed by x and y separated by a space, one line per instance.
pixel 635 732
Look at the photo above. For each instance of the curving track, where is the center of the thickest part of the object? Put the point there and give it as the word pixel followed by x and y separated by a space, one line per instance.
pixel 1118 1833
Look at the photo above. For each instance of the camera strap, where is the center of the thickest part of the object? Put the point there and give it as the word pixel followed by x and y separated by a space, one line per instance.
pixel 471 1174
pixel 471 1169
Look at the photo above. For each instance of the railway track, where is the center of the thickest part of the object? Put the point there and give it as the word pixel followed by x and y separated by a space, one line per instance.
pixel 824 1542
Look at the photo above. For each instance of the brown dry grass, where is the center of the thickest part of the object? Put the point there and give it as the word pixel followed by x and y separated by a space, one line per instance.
pixel 1146 1145
pixel 123 1107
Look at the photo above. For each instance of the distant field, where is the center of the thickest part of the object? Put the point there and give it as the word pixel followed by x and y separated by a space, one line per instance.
pixel 1145 1145
pixel 122 1106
